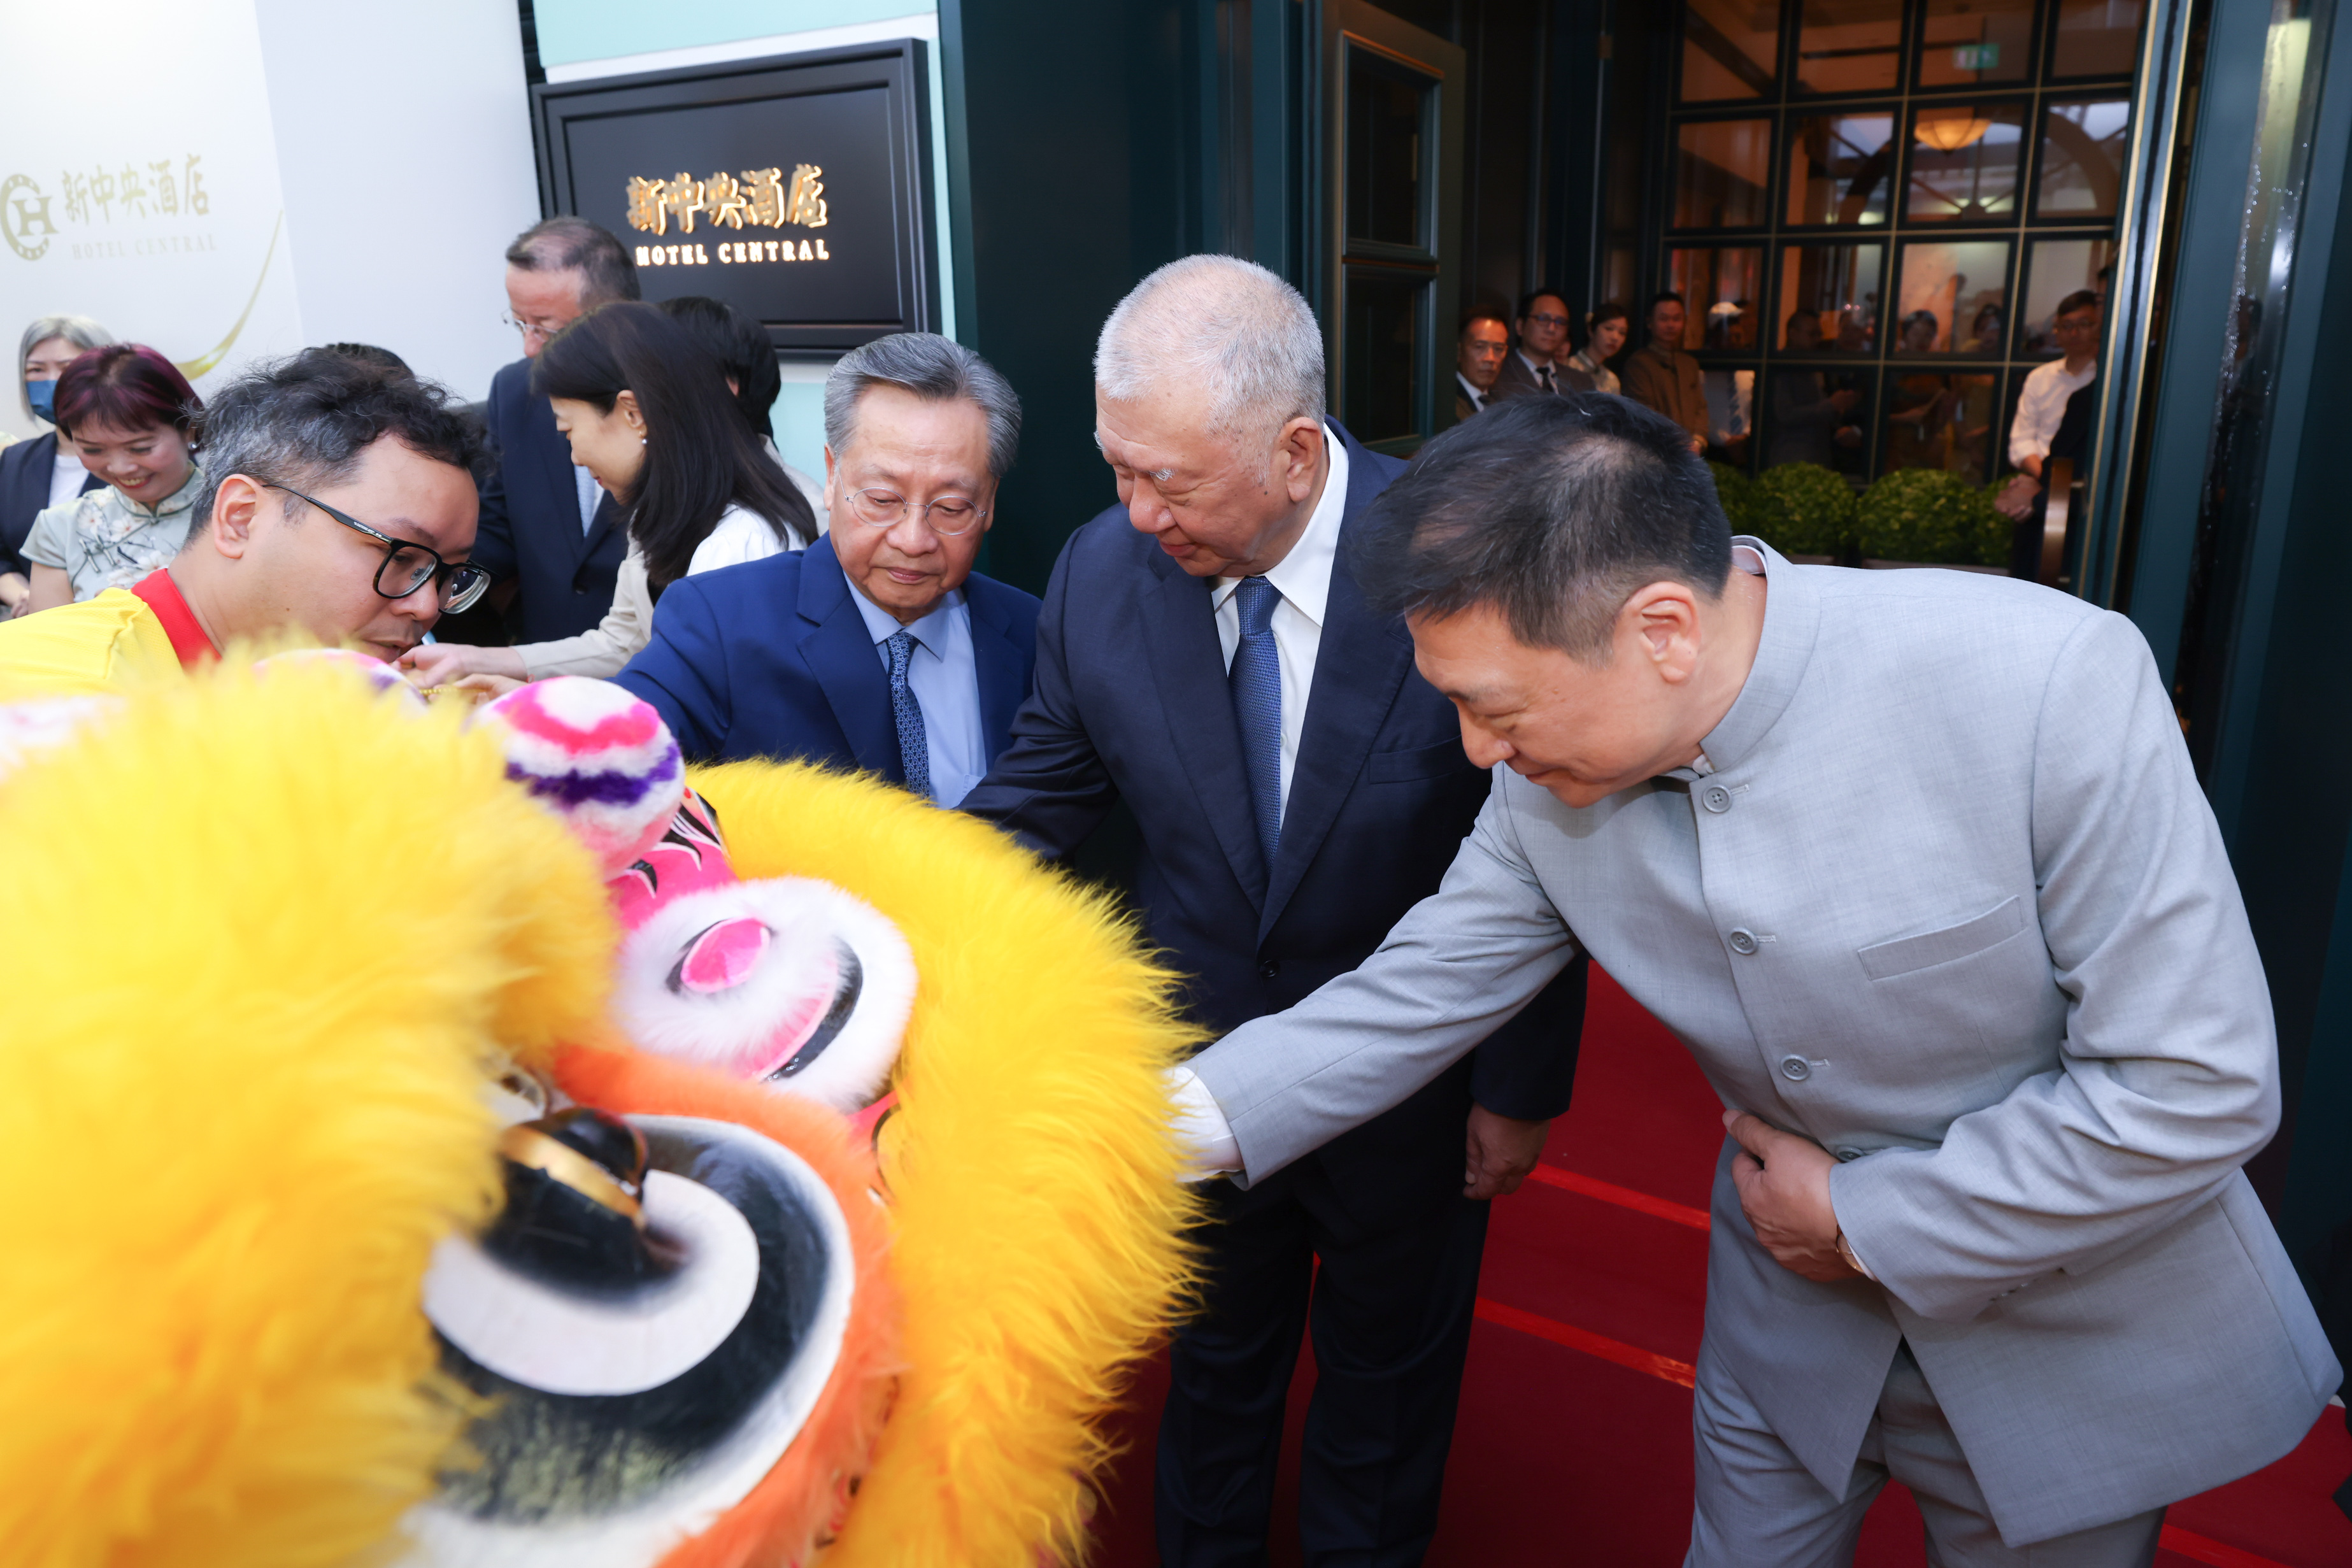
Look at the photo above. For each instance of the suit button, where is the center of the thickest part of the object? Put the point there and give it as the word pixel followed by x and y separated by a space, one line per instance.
pixel 1796 1069
pixel 1743 940
pixel 1716 798
pixel 1848 1156
pixel 1268 968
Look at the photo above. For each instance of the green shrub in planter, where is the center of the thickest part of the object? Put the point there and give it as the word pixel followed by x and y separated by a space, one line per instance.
pixel 1738 493
pixel 1804 508
pixel 1929 514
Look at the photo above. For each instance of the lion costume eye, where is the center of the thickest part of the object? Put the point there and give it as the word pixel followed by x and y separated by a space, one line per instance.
pixel 790 981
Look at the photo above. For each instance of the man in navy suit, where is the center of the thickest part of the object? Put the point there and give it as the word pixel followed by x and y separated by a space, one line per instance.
pixel 878 648
pixel 1204 654
pixel 546 524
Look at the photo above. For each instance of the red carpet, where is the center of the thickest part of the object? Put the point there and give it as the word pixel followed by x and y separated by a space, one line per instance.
pixel 1573 1445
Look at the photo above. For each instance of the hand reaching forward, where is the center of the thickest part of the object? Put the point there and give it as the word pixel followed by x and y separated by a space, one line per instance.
pixel 1784 1190
pixel 1502 1150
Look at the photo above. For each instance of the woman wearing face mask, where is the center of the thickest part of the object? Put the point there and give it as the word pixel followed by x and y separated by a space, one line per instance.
pixel 648 414
pixel 45 471
pixel 127 409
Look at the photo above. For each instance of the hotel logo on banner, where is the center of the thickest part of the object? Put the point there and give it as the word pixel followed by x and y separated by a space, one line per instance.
pixel 756 198
pixel 146 192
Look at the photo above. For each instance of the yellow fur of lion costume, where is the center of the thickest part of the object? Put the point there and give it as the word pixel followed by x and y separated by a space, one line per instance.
pixel 270 934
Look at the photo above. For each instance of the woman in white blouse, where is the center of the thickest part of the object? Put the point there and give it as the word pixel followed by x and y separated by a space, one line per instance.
pixel 648 414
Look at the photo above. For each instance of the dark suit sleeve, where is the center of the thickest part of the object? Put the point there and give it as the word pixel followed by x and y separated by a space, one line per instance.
pixel 494 546
pixel 682 671
pixel 1049 788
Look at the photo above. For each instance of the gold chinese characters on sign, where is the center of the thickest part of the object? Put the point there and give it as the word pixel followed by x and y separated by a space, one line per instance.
pixel 756 197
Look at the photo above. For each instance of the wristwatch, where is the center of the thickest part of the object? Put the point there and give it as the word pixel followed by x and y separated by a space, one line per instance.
pixel 1845 1250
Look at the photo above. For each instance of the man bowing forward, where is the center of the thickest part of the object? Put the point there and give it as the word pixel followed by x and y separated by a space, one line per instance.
pixel 1203 652
pixel 1914 865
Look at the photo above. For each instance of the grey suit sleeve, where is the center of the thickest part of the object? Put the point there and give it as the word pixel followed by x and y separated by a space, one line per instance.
pixel 2167 1078
pixel 1455 970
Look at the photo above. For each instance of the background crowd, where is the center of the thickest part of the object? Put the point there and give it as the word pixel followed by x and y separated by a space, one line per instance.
pixel 1936 422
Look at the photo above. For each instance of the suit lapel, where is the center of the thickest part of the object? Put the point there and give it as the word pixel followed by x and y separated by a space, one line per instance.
pixel 997 662
pixel 839 652
pixel 1189 665
pixel 1358 664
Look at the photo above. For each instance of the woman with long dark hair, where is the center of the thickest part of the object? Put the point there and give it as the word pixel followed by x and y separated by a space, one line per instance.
pixel 647 413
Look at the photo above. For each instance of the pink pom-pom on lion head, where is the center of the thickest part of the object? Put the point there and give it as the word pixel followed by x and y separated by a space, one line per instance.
pixel 601 758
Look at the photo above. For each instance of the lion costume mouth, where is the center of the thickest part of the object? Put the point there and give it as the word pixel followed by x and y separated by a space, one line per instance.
pixel 585 1475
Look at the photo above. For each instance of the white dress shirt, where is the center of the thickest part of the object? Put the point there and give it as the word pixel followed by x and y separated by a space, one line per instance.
pixel 2041 406
pixel 1304 581
pixel 1477 399
pixel 944 676
pixel 67 477
pixel 591 494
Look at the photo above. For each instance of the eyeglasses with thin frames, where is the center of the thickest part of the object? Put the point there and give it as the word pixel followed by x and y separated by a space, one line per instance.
pixel 530 329
pixel 948 517
pixel 408 564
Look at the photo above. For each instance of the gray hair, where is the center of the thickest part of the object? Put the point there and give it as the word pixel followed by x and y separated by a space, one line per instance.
pixel 1223 323
pixel 575 244
pixel 79 331
pixel 933 368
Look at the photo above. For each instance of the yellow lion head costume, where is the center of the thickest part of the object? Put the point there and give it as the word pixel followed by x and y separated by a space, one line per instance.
pixel 277 938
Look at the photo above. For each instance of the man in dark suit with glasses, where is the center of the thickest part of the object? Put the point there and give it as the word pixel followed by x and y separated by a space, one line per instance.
pixel 1540 366
pixel 878 648
pixel 545 524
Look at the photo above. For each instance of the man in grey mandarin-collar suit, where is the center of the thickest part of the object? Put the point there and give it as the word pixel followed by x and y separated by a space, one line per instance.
pixel 1914 865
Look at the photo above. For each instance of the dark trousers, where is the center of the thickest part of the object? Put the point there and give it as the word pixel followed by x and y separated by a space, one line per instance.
pixel 1390 1308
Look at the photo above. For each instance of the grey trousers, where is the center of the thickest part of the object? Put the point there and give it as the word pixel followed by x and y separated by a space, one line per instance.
pixel 1758 1508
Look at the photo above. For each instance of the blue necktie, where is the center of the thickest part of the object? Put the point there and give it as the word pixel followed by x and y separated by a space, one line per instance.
pixel 914 747
pixel 1256 681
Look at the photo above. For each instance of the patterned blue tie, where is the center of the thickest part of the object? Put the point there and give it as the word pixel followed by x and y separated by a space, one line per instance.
pixel 1256 681
pixel 914 747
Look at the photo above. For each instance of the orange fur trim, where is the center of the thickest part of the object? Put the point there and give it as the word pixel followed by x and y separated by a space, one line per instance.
pixel 794 1511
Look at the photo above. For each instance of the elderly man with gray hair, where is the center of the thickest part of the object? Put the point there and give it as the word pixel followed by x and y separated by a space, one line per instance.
pixel 878 647
pixel 1205 655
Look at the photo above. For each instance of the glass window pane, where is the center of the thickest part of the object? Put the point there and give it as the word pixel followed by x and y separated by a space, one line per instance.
pixel 1850 46
pixel 1721 171
pixel 1828 299
pixel 1966 42
pixel 1719 289
pixel 2097 37
pixel 1940 422
pixel 1964 162
pixel 2056 269
pixel 1730 48
pixel 1818 414
pixel 2082 158
pixel 1383 318
pixel 1384 121
pixel 1954 299
pixel 1841 167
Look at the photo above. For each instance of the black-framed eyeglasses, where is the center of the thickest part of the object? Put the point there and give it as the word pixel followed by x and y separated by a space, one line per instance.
pixel 947 517
pixel 1547 319
pixel 408 566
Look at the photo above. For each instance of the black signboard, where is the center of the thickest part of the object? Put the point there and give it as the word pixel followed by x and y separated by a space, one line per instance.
pixel 796 188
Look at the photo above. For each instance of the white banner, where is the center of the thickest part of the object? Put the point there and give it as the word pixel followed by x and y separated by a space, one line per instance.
pixel 144 194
